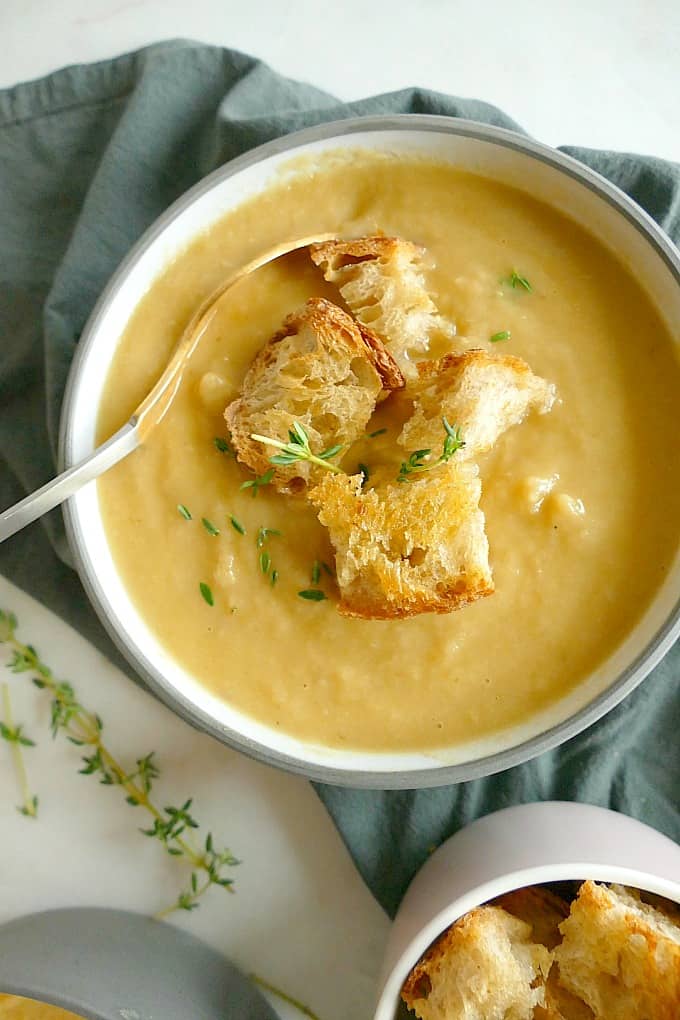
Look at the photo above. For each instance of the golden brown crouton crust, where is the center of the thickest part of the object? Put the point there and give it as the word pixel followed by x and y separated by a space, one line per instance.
pixel 483 394
pixel 485 939
pixel 382 283
pixel 620 955
pixel 321 369
pixel 335 255
pixel 406 549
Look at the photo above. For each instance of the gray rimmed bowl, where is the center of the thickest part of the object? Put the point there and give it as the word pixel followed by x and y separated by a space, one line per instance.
pixel 115 965
pixel 495 153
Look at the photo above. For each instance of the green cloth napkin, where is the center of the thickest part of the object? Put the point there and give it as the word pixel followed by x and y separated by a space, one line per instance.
pixel 89 157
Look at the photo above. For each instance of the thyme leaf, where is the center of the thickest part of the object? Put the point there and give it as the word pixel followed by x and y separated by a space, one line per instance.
pixel 223 446
pixel 517 280
pixel 313 595
pixel 298 449
pixel 264 533
pixel 255 484
pixel 420 460
pixel 236 525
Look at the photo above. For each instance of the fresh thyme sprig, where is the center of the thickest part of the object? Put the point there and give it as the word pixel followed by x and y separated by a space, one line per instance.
pixel 255 484
pixel 420 460
pixel 298 449
pixel 17 739
pixel 171 826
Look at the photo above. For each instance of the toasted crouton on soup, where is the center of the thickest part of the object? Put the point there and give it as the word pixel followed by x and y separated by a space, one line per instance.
pixel 483 394
pixel 403 549
pixel 620 955
pixel 323 371
pixel 381 280
pixel 484 967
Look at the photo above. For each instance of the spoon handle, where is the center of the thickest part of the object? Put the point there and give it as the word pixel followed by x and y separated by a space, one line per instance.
pixel 16 517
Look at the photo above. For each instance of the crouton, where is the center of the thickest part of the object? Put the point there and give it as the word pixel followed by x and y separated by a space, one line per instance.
pixel 381 280
pixel 322 370
pixel 483 394
pixel 539 908
pixel 620 955
pixel 484 967
pixel 559 1003
pixel 403 549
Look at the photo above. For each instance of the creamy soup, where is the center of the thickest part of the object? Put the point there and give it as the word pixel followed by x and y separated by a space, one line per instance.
pixel 13 1007
pixel 582 505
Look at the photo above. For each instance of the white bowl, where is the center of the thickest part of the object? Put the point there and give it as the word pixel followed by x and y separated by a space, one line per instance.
pixel 521 846
pixel 494 153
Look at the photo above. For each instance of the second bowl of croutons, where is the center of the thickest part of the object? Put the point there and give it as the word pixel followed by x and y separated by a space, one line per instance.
pixel 550 911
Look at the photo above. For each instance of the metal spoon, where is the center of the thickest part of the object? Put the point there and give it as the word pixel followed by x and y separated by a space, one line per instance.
pixel 149 413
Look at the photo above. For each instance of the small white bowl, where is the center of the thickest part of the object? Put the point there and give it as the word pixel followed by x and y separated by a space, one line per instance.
pixel 501 155
pixel 529 844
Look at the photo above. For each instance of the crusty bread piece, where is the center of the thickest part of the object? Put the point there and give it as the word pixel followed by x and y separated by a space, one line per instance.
pixel 559 1003
pixel 483 394
pixel 381 280
pixel 484 967
pixel 620 955
pixel 539 908
pixel 323 370
pixel 403 549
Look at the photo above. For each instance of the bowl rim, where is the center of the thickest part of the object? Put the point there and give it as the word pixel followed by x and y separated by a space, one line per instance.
pixel 520 878
pixel 538 864
pixel 440 774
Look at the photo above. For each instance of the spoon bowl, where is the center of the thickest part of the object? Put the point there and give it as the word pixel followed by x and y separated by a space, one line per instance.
pixel 152 409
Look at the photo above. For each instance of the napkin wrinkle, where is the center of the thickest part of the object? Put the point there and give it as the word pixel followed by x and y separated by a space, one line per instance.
pixel 651 182
pixel 89 157
pixel 628 762
pixel 244 126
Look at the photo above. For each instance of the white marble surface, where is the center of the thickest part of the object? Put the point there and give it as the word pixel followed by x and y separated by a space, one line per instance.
pixel 601 73
pixel 301 917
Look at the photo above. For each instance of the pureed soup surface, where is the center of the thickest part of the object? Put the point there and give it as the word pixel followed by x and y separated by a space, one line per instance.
pixel 571 577
pixel 13 1007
